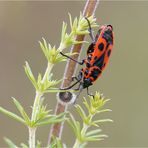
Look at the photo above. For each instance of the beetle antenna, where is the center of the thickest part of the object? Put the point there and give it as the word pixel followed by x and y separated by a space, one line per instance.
pixel 90 30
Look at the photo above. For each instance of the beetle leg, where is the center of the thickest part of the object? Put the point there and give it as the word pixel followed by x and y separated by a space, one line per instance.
pixel 81 63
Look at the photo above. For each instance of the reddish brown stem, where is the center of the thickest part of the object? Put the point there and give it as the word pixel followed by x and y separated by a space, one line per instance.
pixel 57 128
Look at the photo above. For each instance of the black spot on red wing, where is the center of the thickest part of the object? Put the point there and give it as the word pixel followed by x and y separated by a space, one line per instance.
pixel 109 52
pixel 95 58
pixel 101 46
pixel 107 45
pixel 99 62
pixel 95 73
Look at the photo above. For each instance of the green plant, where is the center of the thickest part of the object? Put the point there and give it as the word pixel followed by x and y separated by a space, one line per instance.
pixel 94 107
pixel 43 84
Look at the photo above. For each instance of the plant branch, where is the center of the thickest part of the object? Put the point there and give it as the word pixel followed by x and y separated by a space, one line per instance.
pixel 39 94
pixel 83 131
pixel 32 137
pixel 89 9
pixel 36 106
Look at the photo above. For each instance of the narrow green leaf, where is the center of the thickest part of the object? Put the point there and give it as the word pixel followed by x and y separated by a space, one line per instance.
pixel 94 124
pixel 12 115
pixel 24 145
pixel 93 139
pixel 75 126
pixel 51 83
pixel 103 120
pixel 83 145
pixel 86 104
pixel 49 46
pixel 97 136
pixel 93 132
pixel 81 112
pixel 78 127
pixel 30 75
pixel 43 46
pixel 56 143
pixel 104 110
pixel 88 120
pixel 21 110
pixel 50 119
pixel 106 100
pixel 38 144
pixel 71 124
pixel 10 143
pixel 70 19
pixel 64 27
pixel 39 78
pixel 75 22
pixel 80 42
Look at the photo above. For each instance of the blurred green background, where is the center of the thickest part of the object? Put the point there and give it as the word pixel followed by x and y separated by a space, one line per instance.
pixel 125 80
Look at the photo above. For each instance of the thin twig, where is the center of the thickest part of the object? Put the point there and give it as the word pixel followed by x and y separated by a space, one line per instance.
pixel 70 69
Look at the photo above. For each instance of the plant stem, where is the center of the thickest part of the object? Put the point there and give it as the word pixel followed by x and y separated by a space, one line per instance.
pixel 47 72
pixel 84 129
pixel 32 137
pixel 56 129
pixel 38 96
pixel 77 144
pixel 83 132
pixel 36 107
